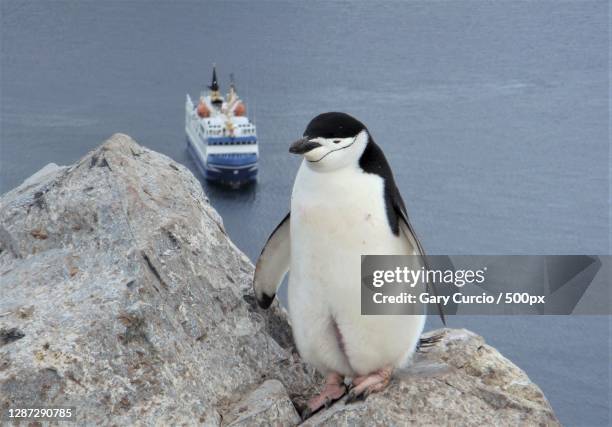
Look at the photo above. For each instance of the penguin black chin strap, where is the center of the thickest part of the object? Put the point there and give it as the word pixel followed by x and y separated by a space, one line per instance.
pixel 333 151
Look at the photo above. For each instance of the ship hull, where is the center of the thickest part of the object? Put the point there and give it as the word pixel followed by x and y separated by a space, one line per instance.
pixel 236 173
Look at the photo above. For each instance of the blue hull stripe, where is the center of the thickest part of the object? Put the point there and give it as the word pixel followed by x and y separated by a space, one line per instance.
pixel 213 140
pixel 242 175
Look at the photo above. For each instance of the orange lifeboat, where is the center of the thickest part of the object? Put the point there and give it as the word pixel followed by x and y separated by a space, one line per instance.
pixel 240 109
pixel 203 111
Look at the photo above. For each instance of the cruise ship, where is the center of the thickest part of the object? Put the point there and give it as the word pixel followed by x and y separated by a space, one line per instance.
pixel 220 137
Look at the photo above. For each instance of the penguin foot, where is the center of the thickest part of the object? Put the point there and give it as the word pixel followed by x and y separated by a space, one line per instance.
pixel 365 385
pixel 334 390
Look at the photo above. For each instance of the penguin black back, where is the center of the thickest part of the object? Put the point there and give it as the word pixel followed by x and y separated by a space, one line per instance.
pixel 374 161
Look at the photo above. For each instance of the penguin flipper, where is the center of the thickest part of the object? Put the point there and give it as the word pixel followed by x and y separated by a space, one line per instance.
pixel 273 264
pixel 408 231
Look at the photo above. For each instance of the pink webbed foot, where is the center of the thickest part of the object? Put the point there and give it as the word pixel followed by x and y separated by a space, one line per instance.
pixel 334 390
pixel 365 385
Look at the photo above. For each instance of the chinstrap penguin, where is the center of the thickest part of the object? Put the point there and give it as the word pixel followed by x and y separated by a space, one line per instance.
pixel 344 204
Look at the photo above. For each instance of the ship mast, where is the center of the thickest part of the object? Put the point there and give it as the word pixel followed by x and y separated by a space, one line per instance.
pixel 215 96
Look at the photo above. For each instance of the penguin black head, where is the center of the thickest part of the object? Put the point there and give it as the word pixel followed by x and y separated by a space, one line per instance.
pixel 332 141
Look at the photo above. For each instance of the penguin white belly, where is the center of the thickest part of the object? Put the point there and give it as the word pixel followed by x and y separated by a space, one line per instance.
pixel 335 218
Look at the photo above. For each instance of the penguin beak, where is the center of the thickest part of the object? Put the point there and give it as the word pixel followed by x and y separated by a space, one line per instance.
pixel 303 145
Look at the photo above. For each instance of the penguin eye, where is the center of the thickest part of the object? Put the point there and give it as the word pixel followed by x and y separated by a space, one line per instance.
pixel 336 141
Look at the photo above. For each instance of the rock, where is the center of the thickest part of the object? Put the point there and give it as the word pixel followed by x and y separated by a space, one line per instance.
pixel 459 381
pixel 123 296
pixel 40 176
pixel 269 404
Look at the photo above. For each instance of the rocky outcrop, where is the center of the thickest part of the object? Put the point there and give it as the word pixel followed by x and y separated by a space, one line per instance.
pixel 459 381
pixel 123 296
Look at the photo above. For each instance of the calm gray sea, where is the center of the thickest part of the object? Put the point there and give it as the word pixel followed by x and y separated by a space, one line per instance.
pixel 494 117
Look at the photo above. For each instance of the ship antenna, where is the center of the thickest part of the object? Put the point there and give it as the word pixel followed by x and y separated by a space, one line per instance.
pixel 232 96
pixel 248 85
pixel 247 91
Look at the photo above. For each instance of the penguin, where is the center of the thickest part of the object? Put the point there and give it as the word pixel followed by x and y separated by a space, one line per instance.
pixel 344 204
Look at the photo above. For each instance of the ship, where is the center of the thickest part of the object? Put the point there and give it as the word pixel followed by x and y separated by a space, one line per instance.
pixel 220 137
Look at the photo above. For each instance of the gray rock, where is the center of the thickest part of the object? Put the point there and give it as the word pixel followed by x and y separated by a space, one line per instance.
pixel 269 404
pixel 123 296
